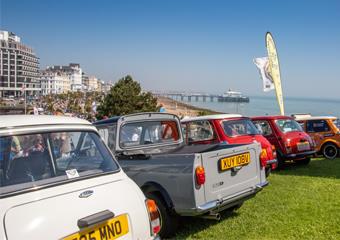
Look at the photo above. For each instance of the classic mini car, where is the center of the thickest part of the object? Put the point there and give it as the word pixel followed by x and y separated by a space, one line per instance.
pixel 58 180
pixel 197 180
pixel 324 130
pixel 230 129
pixel 289 139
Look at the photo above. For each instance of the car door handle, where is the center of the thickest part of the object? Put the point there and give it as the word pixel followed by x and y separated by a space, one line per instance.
pixel 95 218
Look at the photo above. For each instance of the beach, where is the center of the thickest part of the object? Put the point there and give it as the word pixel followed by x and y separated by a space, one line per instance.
pixel 182 109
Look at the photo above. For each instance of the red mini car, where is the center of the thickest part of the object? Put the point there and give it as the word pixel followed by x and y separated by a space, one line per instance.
pixel 290 141
pixel 229 129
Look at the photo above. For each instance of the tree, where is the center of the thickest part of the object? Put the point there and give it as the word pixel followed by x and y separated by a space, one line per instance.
pixel 126 97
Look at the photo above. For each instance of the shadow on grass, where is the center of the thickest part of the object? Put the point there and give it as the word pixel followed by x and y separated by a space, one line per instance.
pixel 189 226
pixel 318 167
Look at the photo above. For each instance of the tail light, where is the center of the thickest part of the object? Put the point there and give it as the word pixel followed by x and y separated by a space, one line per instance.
pixel 200 175
pixel 274 152
pixel 274 166
pixel 288 146
pixel 155 223
pixel 263 157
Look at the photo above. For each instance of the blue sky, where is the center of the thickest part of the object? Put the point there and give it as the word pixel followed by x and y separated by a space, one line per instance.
pixel 202 46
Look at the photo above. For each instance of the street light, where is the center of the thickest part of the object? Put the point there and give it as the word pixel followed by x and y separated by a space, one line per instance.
pixel 25 95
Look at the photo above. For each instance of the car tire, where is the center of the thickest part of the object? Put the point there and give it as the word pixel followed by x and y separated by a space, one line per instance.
pixel 330 151
pixel 280 162
pixel 168 220
pixel 268 171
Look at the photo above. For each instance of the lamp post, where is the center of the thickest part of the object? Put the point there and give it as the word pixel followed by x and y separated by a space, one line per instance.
pixel 25 96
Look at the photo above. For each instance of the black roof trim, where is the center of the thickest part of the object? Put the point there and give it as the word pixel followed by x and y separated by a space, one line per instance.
pixel 107 121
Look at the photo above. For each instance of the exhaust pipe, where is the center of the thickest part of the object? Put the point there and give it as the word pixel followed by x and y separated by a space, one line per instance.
pixel 212 216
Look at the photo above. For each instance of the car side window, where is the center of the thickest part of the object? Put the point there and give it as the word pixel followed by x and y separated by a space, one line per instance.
pixel 200 131
pixel 317 126
pixel 108 134
pixel 302 124
pixel 264 127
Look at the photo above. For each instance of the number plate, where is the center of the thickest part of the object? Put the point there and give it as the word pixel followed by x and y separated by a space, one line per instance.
pixel 303 146
pixel 111 229
pixel 234 161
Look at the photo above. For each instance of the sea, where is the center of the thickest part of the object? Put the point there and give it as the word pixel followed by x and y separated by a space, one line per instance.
pixel 263 105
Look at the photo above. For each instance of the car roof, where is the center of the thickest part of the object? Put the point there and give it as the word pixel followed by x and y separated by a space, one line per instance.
pixel 211 117
pixel 274 117
pixel 116 118
pixel 12 121
pixel 299 118
pixel 107 121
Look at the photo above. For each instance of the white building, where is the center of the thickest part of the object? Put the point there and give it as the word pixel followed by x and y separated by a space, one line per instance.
pixel 75 74
pixel 91 83
pixel 61 79
pixel 54 82
pixel 19 67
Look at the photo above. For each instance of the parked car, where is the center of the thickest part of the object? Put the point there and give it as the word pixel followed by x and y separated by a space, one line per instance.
pixel 229 129
pixel 324 130
pixel 199 180
pixel 289 139
pixel 58 180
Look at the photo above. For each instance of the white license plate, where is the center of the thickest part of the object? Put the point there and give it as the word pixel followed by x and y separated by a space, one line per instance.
pixel 303 146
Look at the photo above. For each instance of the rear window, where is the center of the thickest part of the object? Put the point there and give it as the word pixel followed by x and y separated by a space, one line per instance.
pixel 317 126
pixel 263 127
pixel 198 131
pixel 288 125
pixel 33 160
pixel 149 132
pixel 239 127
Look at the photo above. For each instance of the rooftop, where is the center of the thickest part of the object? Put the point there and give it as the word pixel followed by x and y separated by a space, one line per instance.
pixel 305 117
pixel 12 121
pixel 211 117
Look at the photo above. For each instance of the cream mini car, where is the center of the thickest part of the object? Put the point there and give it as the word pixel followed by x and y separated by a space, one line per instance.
pixel 58 180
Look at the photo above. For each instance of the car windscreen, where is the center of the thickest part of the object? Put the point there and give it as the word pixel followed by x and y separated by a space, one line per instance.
pixel 136 134
pixel 239 127
pixel 288 125
pixel 38 159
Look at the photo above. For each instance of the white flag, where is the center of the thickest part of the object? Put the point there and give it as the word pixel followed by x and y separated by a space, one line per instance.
pixel 263 65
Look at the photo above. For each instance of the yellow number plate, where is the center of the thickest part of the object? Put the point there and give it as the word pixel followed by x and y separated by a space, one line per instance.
pixel 111 229
pixel 234 161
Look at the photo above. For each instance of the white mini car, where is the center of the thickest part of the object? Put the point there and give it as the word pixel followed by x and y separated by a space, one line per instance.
pixel 58 180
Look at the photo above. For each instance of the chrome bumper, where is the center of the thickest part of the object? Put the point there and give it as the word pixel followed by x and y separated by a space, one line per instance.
pixel 225 203
pixel 298 155
pixel 273 161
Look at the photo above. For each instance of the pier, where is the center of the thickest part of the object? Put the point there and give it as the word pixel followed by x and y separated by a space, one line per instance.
pixel 185 96
pixel 203 97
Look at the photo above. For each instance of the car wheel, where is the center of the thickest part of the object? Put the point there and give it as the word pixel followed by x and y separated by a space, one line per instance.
pixel 268 171
pixel 280 162
pixel 329 151
pixel 168 220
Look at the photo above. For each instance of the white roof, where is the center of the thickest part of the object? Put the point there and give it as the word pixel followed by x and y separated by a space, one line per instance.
pixel 306 117
pixel 11 121
pixel 211 117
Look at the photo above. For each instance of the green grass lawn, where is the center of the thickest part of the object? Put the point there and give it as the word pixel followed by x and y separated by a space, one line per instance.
pixel 301 202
